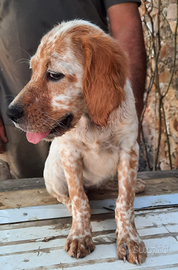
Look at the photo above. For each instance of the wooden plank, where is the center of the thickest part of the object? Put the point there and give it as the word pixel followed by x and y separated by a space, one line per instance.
pixel 33 197
pixel 33 183
pixel 160 186
pixel 42 233
pixel 20 184
pixel 102 223
pixel 25 248
pixel 58 223
pixel 153 187
pixel 114 264
pixel 103 253
pixel 157 174
pixel 97 207
pixel 23 198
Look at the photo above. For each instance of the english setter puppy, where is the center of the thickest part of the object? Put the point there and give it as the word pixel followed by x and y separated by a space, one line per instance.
pixel 79 97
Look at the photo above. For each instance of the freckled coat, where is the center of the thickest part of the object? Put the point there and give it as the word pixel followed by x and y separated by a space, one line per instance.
pixel 80 97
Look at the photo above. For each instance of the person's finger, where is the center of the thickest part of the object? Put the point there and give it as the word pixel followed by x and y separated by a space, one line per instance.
pixel 1 150
pixel 3 136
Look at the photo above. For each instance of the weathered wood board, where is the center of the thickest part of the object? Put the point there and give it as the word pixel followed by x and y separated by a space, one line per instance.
pixel 34 226
pixel 30 213
pixel 39 244
pixel 15 195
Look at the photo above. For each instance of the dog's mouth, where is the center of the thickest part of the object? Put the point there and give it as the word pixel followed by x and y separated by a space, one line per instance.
pixel 63 125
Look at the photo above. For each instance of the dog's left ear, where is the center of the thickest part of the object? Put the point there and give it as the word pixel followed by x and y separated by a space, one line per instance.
pixel 105 73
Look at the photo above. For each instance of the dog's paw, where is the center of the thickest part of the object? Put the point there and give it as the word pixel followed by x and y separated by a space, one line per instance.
pixel 79 246
pixel 140 186
pixel 130 250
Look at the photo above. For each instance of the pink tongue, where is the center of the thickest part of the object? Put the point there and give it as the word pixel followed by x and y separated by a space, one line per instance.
pixel 36 137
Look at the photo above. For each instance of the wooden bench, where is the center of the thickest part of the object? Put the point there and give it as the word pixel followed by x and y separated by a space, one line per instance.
pixel 34 226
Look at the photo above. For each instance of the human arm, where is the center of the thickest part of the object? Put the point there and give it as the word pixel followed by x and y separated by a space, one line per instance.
pixel 126 28
pixel 3 137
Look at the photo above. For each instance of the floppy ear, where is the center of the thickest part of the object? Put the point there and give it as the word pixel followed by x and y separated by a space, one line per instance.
pixel 105 73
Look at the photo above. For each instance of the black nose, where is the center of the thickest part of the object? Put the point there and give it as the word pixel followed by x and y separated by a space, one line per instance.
pixel 14 112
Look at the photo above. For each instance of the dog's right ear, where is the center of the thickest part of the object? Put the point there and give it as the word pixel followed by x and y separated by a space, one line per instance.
pixel 105 73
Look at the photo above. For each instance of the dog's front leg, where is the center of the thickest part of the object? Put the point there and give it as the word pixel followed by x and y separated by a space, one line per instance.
pixel 129 244
pixel 79 242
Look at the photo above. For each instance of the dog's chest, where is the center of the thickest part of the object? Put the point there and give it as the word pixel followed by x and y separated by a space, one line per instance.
pixel 99 163
pixel 100 154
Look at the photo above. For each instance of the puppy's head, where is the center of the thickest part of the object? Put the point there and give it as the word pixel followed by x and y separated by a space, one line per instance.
pixel 77 69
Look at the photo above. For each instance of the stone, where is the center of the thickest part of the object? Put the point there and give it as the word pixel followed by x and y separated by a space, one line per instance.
pixel 173 26
pixel 172 12
pixel 176 124
pixel 164 76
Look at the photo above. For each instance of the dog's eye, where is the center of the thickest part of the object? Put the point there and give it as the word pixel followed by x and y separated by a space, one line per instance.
pixel 55 76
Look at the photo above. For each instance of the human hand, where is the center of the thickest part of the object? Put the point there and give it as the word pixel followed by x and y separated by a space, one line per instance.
pixel 3 137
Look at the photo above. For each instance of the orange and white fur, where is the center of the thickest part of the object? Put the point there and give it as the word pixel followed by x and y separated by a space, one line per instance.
pixel 79 96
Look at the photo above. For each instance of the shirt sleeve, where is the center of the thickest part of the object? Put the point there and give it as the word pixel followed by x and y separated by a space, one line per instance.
pixel 109 3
